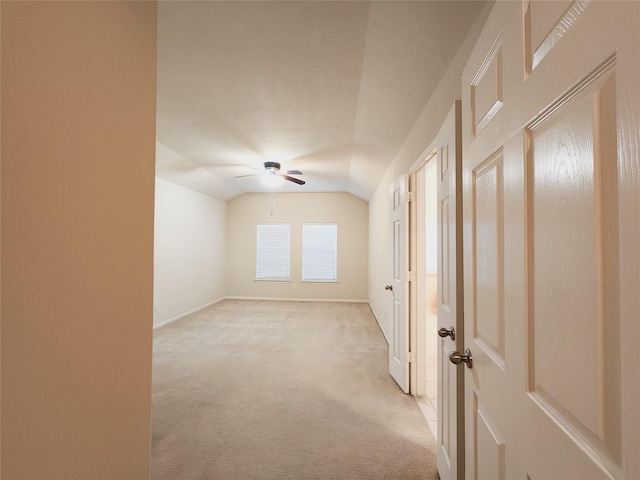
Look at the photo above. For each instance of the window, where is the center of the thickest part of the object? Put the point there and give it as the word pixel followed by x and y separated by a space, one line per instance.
pixel 272 257
pixel 319 252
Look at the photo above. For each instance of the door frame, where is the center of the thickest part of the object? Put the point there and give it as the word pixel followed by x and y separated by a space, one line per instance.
pixel 417 252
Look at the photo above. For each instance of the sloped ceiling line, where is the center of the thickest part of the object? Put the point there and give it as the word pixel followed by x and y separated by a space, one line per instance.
pixel 329 88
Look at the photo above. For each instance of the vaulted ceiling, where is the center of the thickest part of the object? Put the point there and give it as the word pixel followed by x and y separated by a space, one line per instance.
pixel 330 88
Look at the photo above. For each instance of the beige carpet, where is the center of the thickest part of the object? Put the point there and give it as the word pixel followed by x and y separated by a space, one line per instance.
pixel 282 390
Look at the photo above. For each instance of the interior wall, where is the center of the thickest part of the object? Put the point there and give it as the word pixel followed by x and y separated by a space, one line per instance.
pixel 423 133
pixel 348 211
pixel 189 253
pixel 78 146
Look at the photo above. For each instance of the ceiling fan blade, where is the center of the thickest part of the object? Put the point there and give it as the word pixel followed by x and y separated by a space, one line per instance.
pixel 294 180
pixel 249 175
pixel 293 172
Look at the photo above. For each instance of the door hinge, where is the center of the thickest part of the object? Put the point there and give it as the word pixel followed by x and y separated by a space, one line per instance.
pixel 411 357
pixel 410 277
pixel 411 196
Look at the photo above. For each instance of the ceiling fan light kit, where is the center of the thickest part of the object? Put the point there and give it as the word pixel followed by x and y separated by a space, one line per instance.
pixel 271 179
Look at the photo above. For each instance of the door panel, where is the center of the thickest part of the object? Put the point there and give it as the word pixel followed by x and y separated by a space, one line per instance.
pixel 399 343
pixel 552 264
pixel 486 88
pixel 544 25
pixel 490 445
pixel 572 196
pixel 488 327
pixel 573 203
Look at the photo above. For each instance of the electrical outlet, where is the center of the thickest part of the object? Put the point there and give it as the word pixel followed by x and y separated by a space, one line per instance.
pixel 155 307
pixel 293 286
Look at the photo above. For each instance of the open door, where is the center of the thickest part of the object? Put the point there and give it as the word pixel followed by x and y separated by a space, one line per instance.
pixel 399 341
pixel 450 439
pixel 552 227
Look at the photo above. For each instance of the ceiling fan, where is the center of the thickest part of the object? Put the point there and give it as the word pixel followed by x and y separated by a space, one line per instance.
pixel 272 171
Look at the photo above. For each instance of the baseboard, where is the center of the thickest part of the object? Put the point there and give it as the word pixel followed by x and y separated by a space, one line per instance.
pixel 323 300
pixel 378 322
pixel 182 315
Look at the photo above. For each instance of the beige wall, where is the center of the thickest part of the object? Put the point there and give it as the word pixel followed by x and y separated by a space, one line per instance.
pixel 189 251
pixel 422 134
pixel 348 211
pixel 78 141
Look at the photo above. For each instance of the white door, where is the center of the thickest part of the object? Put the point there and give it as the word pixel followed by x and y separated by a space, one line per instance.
pixel 551 242
pixel 450 438
pixel 399 341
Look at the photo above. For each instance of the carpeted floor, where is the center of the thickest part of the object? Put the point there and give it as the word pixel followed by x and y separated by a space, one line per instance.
pixel 282 390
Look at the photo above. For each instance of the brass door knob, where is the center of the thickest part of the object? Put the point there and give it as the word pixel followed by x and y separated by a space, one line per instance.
pixel 457 358
pixel 444 333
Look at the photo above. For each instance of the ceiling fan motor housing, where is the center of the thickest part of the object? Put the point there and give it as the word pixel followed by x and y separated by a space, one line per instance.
pixel 272 166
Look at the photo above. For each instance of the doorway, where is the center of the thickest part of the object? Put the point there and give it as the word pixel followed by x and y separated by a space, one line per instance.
pixel 425 237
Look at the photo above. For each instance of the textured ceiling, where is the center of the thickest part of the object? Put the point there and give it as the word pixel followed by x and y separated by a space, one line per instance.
pixel 329 88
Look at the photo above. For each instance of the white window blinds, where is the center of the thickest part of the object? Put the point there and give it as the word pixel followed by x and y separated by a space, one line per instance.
pixel 319 252
pixel 272 258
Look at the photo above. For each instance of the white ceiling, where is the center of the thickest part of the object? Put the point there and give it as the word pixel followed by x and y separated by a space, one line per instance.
pixel 331 88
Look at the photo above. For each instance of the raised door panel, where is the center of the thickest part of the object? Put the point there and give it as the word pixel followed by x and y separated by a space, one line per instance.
pixel 486 88
pixel 545 23
pixel 488 331
pixel 573 269
pixel 446 410
pixel 489 446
